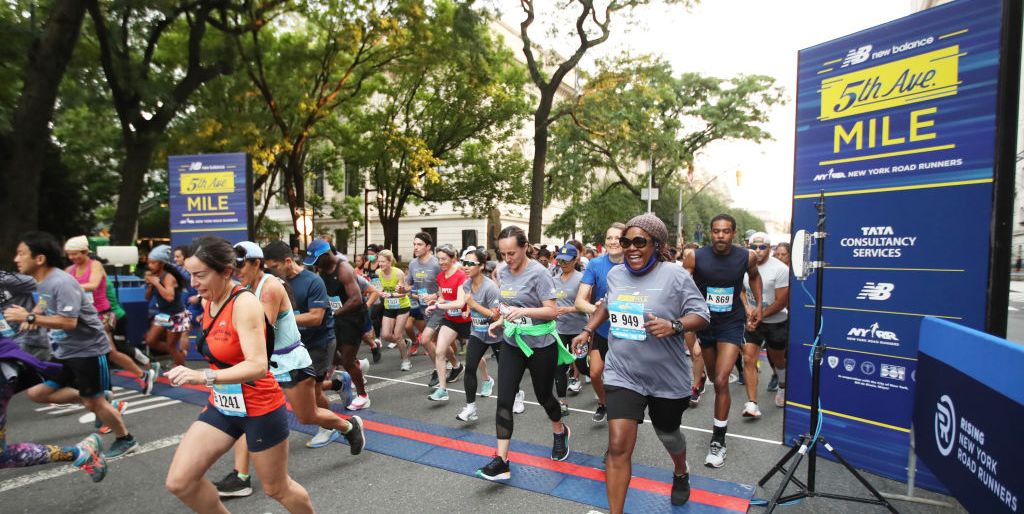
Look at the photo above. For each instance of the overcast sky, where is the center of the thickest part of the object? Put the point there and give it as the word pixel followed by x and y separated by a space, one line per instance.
pixel 728 37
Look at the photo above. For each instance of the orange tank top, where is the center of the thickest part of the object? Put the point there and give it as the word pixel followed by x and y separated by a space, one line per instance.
pixel 263 395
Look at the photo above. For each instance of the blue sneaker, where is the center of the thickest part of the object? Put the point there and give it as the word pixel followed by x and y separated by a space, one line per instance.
pixel 487 388
pixel 439 395
pixel 121 447
pixel 90 458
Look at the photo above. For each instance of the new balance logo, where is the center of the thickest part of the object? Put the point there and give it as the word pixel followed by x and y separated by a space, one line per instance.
pixel 857 56
pixel 876 291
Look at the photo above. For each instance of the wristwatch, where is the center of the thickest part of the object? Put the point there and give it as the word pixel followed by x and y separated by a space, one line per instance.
pixel 677 326
pixel 211 376
pixel 30 319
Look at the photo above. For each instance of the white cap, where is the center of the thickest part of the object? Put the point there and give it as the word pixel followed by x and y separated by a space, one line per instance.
pixel 77 244
pixel 760 235
pixel 252 250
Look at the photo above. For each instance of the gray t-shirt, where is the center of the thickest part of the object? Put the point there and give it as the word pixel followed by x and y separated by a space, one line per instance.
pixel 637 360
pixel 565 296
pixel 774 275
pixel 486 296
pixel 17 289
pixel 530 288
pixel 61 295
pixel 423 278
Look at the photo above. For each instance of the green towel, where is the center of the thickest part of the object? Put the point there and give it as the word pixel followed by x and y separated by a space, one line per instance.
pixel 515 330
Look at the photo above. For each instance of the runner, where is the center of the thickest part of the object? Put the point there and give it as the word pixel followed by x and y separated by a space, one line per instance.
pixel 290 365
pixel 346 304
pixel 528 311
pixel 396 304
pixel 773 330
pixel 700 379
pixel 172 320
pixel 77 338
pixel 593 287
pixel 93 278
pixel 370 268
pixel 315 326
pixel 782 252
pixel 421 283
pixel 651 301
pixel 456 323
pixel 244 400
pixel 570 321
pixel 718 271
pixel 18 289
pixel 18 371
pixel 482 299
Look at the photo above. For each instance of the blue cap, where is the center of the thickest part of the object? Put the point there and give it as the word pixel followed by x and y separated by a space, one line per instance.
pixel 315 249
pixel 568 252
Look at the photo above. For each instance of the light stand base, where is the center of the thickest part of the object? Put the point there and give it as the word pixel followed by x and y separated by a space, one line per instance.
pixel 799 450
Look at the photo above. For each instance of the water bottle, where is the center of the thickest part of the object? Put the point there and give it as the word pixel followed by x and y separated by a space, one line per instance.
pixel 582 350
pixel 5 328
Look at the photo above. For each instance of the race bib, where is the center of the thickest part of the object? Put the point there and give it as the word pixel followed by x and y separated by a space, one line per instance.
pixel 335 302
pixel 163 319
pixel 525 320
pixel 5 328
pixel 720 299
pixel 228 399
pixel 480 323
pixel 455 313
pixel 376 283
pixel 392 303
pixel 627 320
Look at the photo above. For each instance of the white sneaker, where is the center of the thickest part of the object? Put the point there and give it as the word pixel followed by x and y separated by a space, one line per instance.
pixel 359 402
pixel 518 407
pixel 716 455
pixel 780 397
pixel 392 345
pixel 733 377
pixel 406 365
pixel 750 410
pixel 323 437
pixel 364 365
pixel 468 413
pixel 586 379
pixel 575 386
pixel 487 387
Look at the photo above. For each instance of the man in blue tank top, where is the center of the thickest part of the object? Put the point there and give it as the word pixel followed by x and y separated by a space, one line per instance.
pixel 718 271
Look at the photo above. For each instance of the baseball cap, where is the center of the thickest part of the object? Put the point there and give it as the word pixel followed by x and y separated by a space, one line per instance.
pixel 568 252
pixel 762 236
pixel 252 250
pixel 315 249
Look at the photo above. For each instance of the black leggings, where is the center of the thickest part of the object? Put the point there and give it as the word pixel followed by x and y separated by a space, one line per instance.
pixel 542 365
pixel 562 374
pixel 475 351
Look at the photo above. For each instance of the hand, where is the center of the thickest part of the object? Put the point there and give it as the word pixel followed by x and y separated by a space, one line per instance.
pixel 751 327
pixel 493 326
pixel 658 327
pixel 430 308
pixel 580 340
pixel 15 314
pixel 26 326
pixel 514 313
pixel 429 298
pixel 755 315
pixel 194 299
pixel 182 375
pixel 152 280
pixel 566 310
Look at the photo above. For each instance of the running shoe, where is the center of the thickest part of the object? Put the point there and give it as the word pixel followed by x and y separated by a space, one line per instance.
pixel 148 381
pixel 155 366
pixel 497 469
pixel 455 374
pixel 360 402
pixel 560 447
pixel 433 380
pixel 376 353
pixel 233 486
pixel 468 413
pixel 750 410
pixel 575 386
pixel 356 437
pixel 141 358
pixel 716 455
pixel 439 395
pixel 586 379
pixel 462 349
pixel 121 447
pixel 601 414
pixel 487 387
pixel 392 346
pixel 90 458
pixel 519 405
pixel 323 437
pixel 780 397
pixel 680 489
pixel 773 384
pixel 414 348
pixel 406 365
pixel 118 405
pixel 364 365
pixel 733 378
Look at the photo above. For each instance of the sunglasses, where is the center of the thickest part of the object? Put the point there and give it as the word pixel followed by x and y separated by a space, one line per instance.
pixel 470 263
pixel 758 247
pixel 637 242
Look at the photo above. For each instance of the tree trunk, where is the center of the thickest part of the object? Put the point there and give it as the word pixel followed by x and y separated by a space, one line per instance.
pixel 540 155
pixel 47 61
pixel 139 154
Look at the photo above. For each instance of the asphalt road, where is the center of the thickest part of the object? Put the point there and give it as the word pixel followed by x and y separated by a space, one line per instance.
pixel 374 482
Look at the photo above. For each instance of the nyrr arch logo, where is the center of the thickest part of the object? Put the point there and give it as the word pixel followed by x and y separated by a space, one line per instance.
pixel 945 425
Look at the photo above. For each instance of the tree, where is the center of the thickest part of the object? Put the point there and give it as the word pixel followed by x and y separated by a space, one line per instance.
pixel 155 55
pixel 26 138
pixel 592 27
pixel 450 109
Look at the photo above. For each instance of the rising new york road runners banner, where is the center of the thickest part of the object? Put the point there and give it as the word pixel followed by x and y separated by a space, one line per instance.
pixel 210 194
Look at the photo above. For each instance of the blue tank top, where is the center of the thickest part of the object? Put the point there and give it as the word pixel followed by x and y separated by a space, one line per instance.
pixel 720 280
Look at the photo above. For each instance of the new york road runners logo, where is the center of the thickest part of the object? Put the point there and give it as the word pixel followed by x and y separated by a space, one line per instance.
pixel 945 425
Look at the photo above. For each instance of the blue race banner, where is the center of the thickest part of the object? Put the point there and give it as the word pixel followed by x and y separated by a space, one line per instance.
pixel 965 404
pixel 210 194
pixel 898 125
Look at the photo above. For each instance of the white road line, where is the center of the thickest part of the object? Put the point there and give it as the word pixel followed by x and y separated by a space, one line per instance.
pixel 381 385
pixel 686 427
pixel 119 393
pixel 59 471
pixel 89 417
pixel 80 407
pixel 132 409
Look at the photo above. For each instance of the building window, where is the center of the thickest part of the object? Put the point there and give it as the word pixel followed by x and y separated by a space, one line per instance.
pixel 468 238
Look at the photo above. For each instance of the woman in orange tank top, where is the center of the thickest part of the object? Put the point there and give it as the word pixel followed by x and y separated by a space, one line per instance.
pixel 245 398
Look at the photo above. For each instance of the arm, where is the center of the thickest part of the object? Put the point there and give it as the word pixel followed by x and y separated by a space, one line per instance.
pixel 313 318
pixel 96 274
pixel 317 304
pixel 372 295
pixel 583 300
pixel 596 319
pixel 491 314
pixel 165 288
pixel 18 314
pixel 273 298
pixel 690 261
pixel 248 321
pixel 754 315
pixel 458 303
pixel 781 301
pixel 353 297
